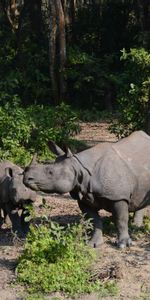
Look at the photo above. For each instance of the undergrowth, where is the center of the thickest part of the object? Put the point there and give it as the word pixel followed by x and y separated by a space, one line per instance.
pixel 56 259
pixel 138 232
pixel 26 130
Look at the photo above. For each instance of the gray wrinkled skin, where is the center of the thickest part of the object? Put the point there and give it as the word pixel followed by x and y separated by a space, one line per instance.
pixel 110 176
pixel 13 196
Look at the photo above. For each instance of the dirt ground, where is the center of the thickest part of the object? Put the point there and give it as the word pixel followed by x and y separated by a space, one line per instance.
pixel 130 267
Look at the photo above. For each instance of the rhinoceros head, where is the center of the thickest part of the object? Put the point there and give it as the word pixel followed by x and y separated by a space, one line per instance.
pixel 54 177
pixel 18 192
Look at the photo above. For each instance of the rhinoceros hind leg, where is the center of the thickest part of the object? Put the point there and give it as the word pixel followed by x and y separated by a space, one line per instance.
pixel 121 216
pixel 138 217
pixel 97 237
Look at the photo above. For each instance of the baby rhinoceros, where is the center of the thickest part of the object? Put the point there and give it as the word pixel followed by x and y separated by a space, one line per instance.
pixel 110 176
pixel 13 197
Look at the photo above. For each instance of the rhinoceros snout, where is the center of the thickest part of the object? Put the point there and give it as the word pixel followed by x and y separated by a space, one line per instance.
pixel 30 183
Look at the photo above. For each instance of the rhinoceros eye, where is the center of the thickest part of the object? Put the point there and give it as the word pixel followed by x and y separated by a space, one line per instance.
pixel 48 171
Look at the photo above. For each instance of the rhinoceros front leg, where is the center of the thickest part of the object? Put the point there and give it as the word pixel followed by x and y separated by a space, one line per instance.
pixel 24 223
pixel 1 218
pixel 121 216
pixel 16 223
pixel 97 238
pixel 138 217
pixel 15 220
pixel 6 218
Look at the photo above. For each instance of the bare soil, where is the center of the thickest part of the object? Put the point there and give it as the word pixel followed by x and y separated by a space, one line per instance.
pixel 129 267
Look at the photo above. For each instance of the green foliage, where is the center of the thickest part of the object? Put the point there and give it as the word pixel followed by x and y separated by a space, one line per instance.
pixel 133 96
pixel 77 145
pixel 143 230
pixel 94 39
pixel 106 27
pixel 55 259
pixel 109 226
pixel 89 78
pixel 35 297
pixel 26 130
pixel 23 65
pixel 66 121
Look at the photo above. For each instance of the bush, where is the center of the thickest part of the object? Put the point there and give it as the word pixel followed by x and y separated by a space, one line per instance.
pixel 133 91
pixel 26 130
pixel 23 64
pixel 56 259
pixel 89 79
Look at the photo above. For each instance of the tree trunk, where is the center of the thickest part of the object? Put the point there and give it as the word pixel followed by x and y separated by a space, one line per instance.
pixel 143 8
pixel 147 119
pixel 12 10
pixel 61 48
pixel 52 50
pixel 35 15
pixel 57 50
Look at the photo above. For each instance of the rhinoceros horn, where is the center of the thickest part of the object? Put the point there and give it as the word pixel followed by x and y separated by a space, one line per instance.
pixel 68 152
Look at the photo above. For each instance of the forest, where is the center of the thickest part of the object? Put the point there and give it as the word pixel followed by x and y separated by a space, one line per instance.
pixel 64 63
pixel 64 60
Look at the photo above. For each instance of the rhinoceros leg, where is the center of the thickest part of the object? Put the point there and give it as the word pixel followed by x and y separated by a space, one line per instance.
pixel 1 218
pixel 24 223
pixel 15 220
pixel 4 218
pixel 121 216
pixel 16 223
pixel 97 238
pixel 138 217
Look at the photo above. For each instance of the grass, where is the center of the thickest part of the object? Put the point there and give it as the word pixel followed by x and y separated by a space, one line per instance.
pixel 56 259
pixel 138 232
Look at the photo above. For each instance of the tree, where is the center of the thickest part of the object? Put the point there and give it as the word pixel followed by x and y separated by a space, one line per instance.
pixel 69 49
pixel 57 49
pixel 142 9
pixel 12 10
pixel 147 117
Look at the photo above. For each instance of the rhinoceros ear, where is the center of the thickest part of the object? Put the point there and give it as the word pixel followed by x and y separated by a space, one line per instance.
pixel 55 149
pixel 33 161
pixel 68 153
pixel 8 172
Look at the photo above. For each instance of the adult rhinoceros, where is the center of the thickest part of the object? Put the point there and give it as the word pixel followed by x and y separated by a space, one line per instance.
pixel 110 176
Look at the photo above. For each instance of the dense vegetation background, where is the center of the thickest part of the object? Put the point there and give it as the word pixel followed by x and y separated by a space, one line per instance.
pixel 61 61
pixel 58 57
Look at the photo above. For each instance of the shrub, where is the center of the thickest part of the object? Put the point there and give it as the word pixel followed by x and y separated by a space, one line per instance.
pixel 133 91
pixel 89 79
pixel 26 130
pixel 56 259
